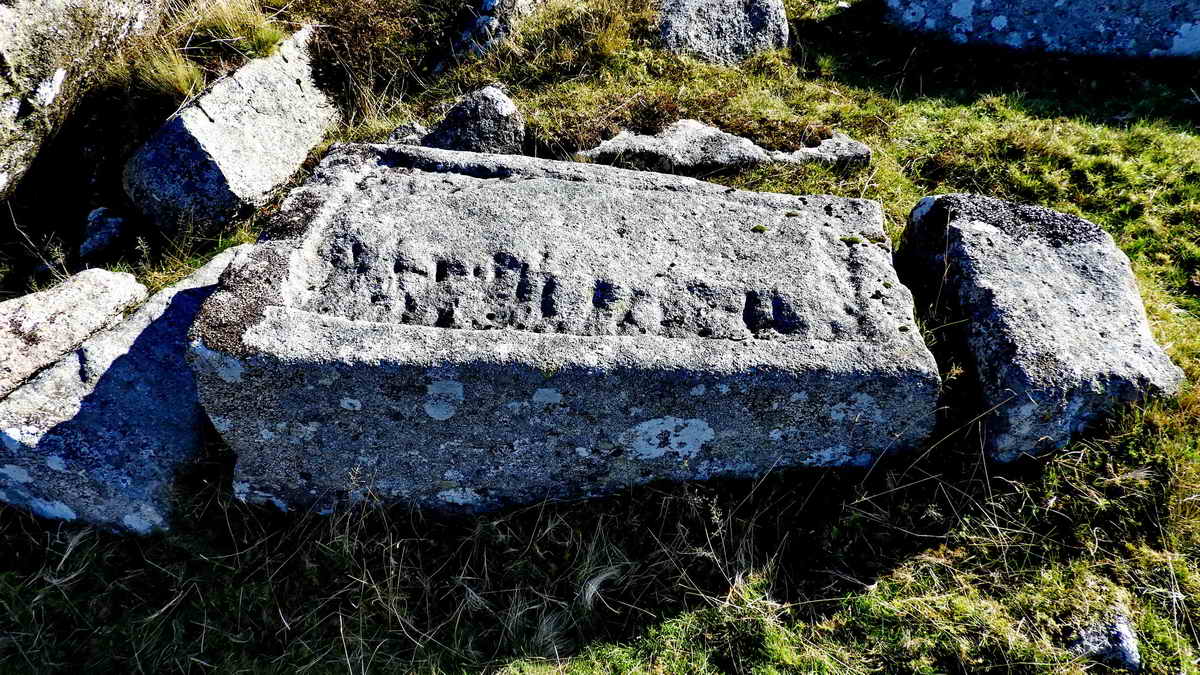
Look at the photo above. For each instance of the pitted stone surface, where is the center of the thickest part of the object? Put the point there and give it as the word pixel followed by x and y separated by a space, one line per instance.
pixel 1054 323
pixel 449 340
pixel 233 146
pixel 99 435
pixel 49 49
pixel 723 31
pixel 485 120
pixel 36 329
pixel 1116 27
pixel 692 147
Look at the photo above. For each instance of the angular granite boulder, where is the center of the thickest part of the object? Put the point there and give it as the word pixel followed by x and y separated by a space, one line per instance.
pixel 464 331
pixel 725 32
pixel 98 436
pixel 228 149
pixel 1054 323
pixel 50 52
pixel 36 329
pixel 692 147
pixel 486 120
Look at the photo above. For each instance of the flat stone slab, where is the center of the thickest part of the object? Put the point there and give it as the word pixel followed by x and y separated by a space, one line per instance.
pixel 692 147
pixel 1054 323
pixel 1137 28
pixel 98 436
pixel 726 32
pixel 455 330
pixel 228 150
pixel 36 329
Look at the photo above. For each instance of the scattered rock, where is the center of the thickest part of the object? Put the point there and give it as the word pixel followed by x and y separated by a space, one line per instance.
pixel 462 331
pixel 494 20
pixel 1114 643
pixel 230 148
pixel 50 49
pixel 1055 325
pixel 486 120
pixel 691 147
pixel 103 229
pixel 98 435
pixel 408 134
pixel 723 31
pixel 36 329
pixel 1115 27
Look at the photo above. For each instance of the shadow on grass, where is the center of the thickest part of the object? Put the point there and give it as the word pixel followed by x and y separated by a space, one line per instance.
pixel 392 589
pixel 857 46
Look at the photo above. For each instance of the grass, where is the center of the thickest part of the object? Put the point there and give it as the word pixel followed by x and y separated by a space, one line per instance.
pixel 932 562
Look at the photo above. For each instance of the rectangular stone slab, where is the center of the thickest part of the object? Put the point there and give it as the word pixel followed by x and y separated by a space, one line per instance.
pixel 481 331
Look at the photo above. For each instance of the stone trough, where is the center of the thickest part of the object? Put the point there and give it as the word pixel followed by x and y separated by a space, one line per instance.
pixel 464 331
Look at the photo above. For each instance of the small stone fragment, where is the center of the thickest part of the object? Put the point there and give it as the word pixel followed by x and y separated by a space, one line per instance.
pixel 724 32
pixel 462 331
pixel 410 133
pixel 36 329
pixel 1055 326
pixel 101 232
pixel 485 120
pixel 1114 643
pixel 493 21
pixel 99 434
pixel 230 148
pixel 693 148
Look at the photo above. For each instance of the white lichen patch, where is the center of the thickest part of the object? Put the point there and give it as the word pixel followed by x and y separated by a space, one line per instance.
pixel 654 438
pixel 352 404
pixel 225 367
pixel 460 496
pixel 547 396
pixel 144 521
pixel 16 473
pixel 49 88
pixel 54 509
pixel 442 397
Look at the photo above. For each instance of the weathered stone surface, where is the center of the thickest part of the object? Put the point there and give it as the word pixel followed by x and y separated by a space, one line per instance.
pixel 456 330
pixel 50 50
pixel 99 435
pixel 234 145
pixel 36 329
pixel 1054 323
pixel 486 120
pixel 408 134
pixel 723 31
pixel 1117 27
pixel 692 147
pixel 103 229
pixel 494 20
pixel 1114 642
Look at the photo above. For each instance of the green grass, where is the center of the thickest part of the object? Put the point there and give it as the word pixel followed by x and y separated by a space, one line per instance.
pixel 932 562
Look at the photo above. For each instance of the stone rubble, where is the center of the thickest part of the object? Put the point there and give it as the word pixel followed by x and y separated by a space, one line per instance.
pixel 1055 327
pixel 485 120
pixel 228 150
pixel 99 435
pixel 693 148
pixel 37 329
pixel 724 32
